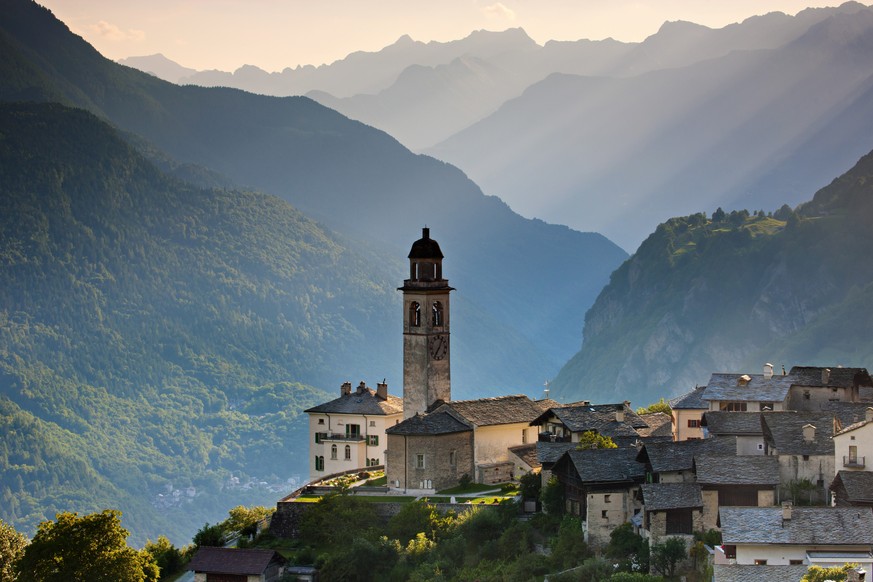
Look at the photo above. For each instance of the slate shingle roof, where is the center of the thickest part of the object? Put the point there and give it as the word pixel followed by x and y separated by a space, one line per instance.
pixel 744 470
pixel 527 453
pixel 660 425
pixel 497 410
pixel 440 422
pixel 825 526
pixel 858 485
pixel 726 387
pixel 839 377
pixel 679 456
pixel 752 573
pixel 663 496
pixel 233 560
pixel 691 401
pixel 847 413
pixel 360 401
pixel 784 432
pixel 718 422
pixel 606 465
pixel 551 452
pixel 596 417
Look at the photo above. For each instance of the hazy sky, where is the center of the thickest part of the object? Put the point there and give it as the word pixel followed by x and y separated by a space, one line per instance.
pixel 274 34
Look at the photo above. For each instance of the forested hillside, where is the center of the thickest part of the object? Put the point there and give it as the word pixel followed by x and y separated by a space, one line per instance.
pixel 729 292
pixel 357 180
pixel 155 334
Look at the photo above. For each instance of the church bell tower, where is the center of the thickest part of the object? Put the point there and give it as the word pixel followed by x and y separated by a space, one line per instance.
pixel 426 353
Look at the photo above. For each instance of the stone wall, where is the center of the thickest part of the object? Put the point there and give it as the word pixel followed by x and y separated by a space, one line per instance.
pixel 446 458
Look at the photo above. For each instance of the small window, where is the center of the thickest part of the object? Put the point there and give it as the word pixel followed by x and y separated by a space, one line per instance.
pixel 320 421
pixel 437 310
pixel 760 446
pixel 373 440
pixel 524 436
pixel 693 423
pixel 372 423
pixel 806 394
pixel 319 463
pixel 419 461
pixel 348 453
pixel 603 514
pixel 374 462
pixel 795 562
pixel 760 562
pixel 606 499
pixel 805 457
pixel 452 458
pixel 333 452
pixel 415 314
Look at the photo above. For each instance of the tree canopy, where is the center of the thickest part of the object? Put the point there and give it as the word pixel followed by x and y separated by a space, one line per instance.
pixel 593 440
pixel 12 546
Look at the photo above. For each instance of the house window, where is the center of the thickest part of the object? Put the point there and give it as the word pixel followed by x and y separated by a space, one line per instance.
pixel 415 314
pixel 730 552
pixel 606 499
pixel 524 436
pixel 853 454
pixel 437 313
pixel 760 446
pixel 733 406
pixel 679 521
pixel 319 463
pixel 452 458
pixel 693 423
pixel 333 452
pixel 374 462
pixel 320 421
pixel 760 562
pixel 353 430
pixel 373 440
pixel 372 423
pixel 795 562
pixel 806 394
pixel 604 515
pixel 419 461
pixel 348 453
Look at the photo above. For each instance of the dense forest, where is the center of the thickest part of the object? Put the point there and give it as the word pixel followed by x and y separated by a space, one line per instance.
pixel 731 291
pixel 155 334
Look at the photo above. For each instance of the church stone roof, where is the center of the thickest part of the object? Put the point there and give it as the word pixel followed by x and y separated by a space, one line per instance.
pixel 826 526
pixel 743 470
pixel 496 410
pixel 362 400
pixel 434 423
pixel 663 496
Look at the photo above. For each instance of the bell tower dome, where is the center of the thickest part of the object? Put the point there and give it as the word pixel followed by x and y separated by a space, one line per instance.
pixel 426 353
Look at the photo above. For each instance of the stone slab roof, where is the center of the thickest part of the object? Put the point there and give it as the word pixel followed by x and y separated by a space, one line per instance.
pixel 606 465
pixel 659 425
pixel 362 400
pixel 676 456
pixel 858 485
pixel 838 377
pixel 826 526
pixel 495 411
pixel 439 422
pixel 727 387
pixel 551 452
pixel 744 470
pixel 691 401
pixel 847 413
pixel 247 562
pixel 752 573
pixel 663 496
pixel 784 432
pixel 527 453
pixel 597 417
pixel 719 422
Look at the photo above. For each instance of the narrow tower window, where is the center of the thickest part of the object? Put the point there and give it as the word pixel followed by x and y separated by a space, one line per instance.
pixel 415 314
pixel 437 314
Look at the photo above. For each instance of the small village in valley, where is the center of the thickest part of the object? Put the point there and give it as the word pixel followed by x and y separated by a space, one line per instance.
pixel 754 476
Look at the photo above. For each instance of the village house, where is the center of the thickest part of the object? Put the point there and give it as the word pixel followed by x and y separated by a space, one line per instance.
pixel 600 486
pixel 348 432
pixel 853 489
pixel 673 462
pixel 687 411
pixel 728 481
pixel 672 509
pixel 782 536
pixel 236 565
pixel 853 445
pixel 743 427
pixel 567 423
pixel 803 443
pixel 747 392
pixel 812 387
pixel 659 427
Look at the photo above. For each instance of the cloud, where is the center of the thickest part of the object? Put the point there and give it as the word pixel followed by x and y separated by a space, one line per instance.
pixel 498 11
pixel 111 32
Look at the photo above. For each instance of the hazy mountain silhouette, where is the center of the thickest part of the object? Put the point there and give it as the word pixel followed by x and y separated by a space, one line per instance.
pixel 159 66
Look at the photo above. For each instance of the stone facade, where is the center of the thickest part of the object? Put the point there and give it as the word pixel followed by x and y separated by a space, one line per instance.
pixel 429 462
pixel 606 510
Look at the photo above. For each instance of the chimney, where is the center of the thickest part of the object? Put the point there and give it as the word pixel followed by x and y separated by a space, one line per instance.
pixel 619 413
pixel 346 388
pixel 786 511
pixel 768 371
pixel 868 414
pixel 825 376
pixel 382 390
pixel 362 387
pixel 808 433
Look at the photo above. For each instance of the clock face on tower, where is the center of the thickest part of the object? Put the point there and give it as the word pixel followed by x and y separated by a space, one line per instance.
pixel 438 346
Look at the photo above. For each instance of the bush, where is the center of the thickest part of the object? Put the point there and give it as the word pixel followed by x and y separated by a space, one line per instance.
pixel 666 555
pixel 552 497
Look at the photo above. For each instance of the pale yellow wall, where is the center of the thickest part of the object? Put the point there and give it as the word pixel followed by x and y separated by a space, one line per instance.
pixel 766 498
pixel 360 450
pixel 710 509
pixel 862 438
pixel 780 555
pixel 492 442
pixel 681 430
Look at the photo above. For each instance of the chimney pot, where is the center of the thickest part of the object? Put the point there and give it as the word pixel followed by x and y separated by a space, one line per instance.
pixel 868 414
pixel 808 433
pixel 825 376
pixel 362 387
pixel 619 414
pixel 786 511
pixel 346 388
pixel 382 390
pixel 768 371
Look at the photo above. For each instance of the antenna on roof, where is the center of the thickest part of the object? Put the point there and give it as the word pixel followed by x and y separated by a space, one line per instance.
pixel 546 391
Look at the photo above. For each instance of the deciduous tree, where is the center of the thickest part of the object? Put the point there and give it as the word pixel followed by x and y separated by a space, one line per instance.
pixel 12 546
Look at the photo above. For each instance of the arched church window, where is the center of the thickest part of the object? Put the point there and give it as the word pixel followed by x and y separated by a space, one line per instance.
pixel 348 453
pixel 415 314
pixel 437 313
